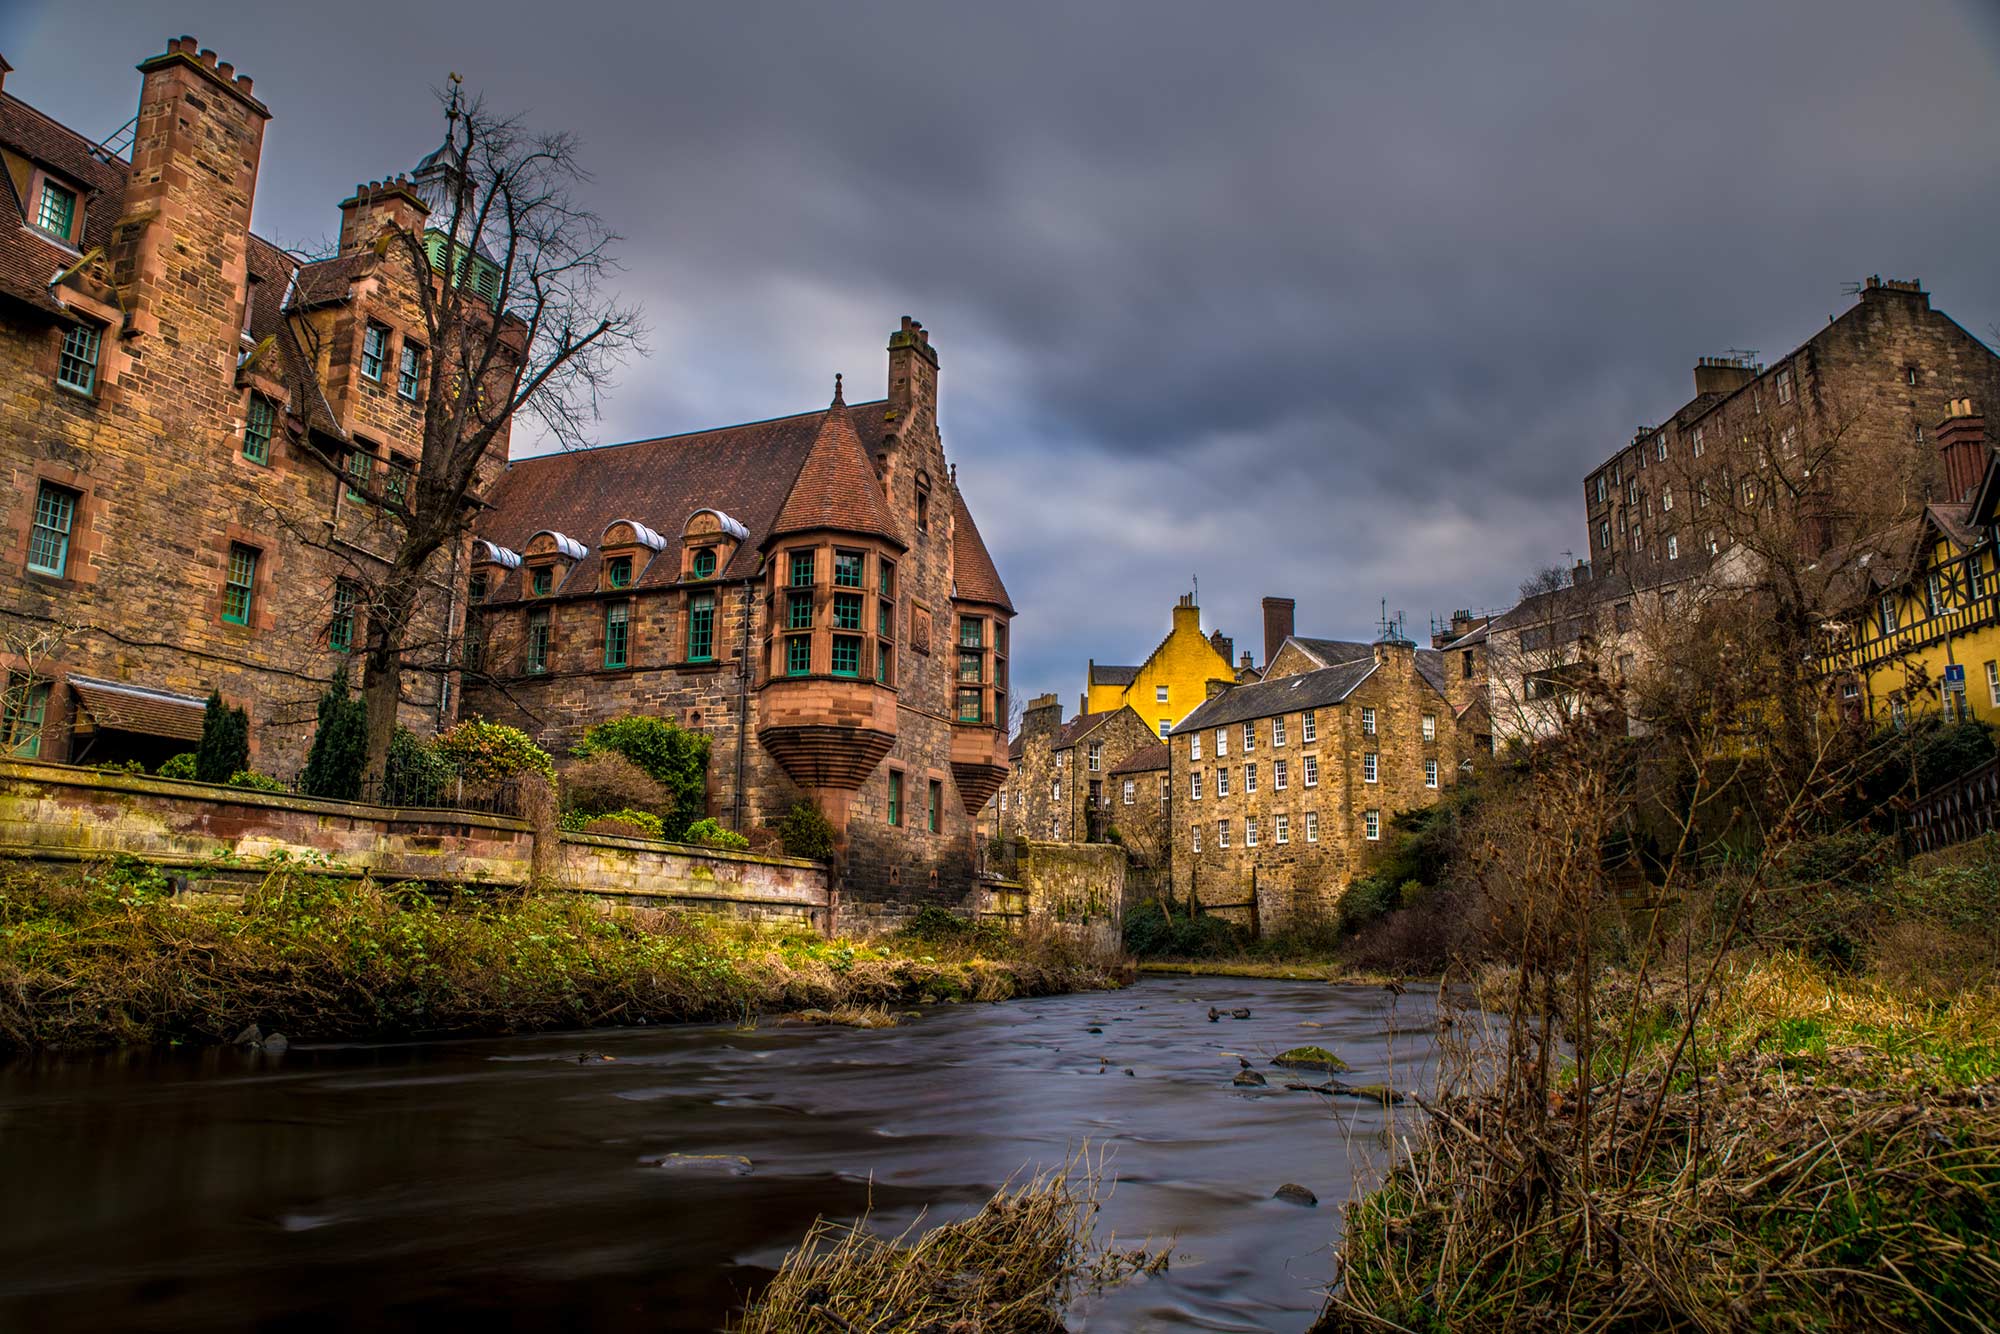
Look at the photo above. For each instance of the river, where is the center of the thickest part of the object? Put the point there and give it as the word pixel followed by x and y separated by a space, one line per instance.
pixel 503 1183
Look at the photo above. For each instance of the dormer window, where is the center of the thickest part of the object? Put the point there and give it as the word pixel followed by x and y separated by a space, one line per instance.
pixel 541 580
pixel 55 211
pixel 704 563
pixel 618 572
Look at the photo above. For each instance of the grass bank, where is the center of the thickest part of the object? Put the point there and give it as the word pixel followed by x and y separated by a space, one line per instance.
pixel 110 956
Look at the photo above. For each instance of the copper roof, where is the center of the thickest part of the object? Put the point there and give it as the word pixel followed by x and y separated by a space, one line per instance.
pixel 117 707
pixel 978 581
pixel 836 486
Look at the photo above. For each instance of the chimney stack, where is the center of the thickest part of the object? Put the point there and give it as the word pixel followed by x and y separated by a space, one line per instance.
pixel 1961 439
pixel 5 70
pixel 379 206
pixel 1277 626
pixel 1223 645
pixel 1722 375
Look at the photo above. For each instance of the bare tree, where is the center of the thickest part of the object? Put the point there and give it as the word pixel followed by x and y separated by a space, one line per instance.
pixel 509 271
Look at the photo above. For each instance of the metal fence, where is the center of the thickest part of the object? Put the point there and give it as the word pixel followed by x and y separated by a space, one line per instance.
pixel 453 794
pixel 1962 809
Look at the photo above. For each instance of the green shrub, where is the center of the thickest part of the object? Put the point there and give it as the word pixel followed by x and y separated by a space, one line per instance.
pixel 1151 933
pixel 339 752
pixel 250 778
pixel 1369 899
pixel 676 757
pixel 483 752
pixel 631 824
pixel 225 741
pixel 806 832
pixel 415 774
pixel 120 767
pixel 178 766
pixel 709 834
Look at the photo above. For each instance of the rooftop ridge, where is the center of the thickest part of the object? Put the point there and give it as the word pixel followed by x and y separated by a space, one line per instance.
pixel 689 435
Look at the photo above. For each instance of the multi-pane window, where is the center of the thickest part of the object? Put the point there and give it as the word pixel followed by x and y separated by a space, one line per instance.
pixel 1430 726
pixel 798 611
pixel 55 212
pixel 541 579
pixel 1371 824
pixel 48 543
pixel 1367 722
pixel 257 425
pixel 1222 782
pixel 1194 745
pixel 1159 694
pixel 802 569
pixel 1165 789
pixel 1673 546
pixel 410 373
pixel 1430 773
pixel 1249 778
pixel 971 665
pixel 1222 833
pixel 374 350
pixel 618 572
pixel 847 611
pixel 847 655
pixel 239 586
pixel 969 703
pixel 1933 594
pixel 1250 831
pixel 1993 683
pixel 340 629
pixel 1312 770
pixel 971 632
pixel 1278 730
pixel 538 640
pixel 703 564
pixel 896 797
pixel 847 569
pixel 1131 789
pixel 1369 766
pixel 1785 386
pixel 1312 826
pixel 1281 828
pixel 936 804
pixel 1221 742
pixel 885 577
pixel 798 655
pixel 1279 775
pixel 1249 737
pixel 1697 441
pixel 21 723
pixel 1194 785
pixel 618 633
pixel 1887 611
pixel 1195 830
pixel 475 644
pixel 396 481
pixel 360 472
pixel 1166 726
pixel 1309 728
pixel 76 368
pixel 885 661
pixel 1095 756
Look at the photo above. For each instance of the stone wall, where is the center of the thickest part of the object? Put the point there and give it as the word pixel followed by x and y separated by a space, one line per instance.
pixel 1079 885
pixel 57 814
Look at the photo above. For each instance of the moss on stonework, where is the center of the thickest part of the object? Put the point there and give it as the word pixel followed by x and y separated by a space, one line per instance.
pixel 1310 1058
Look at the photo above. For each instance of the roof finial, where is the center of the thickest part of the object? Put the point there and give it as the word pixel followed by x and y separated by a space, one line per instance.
pixel 838 400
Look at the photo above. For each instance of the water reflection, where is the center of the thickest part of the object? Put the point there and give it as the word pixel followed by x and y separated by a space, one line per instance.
pixel 416 1186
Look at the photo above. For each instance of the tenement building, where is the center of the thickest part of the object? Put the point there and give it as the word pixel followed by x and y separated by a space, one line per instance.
pixel 1284 788
pixel 810 591
pixel 1173 678
pixel 204 436
pixel 1065 784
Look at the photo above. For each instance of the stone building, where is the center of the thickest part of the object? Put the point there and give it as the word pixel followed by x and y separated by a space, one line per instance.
pixel 1173 678
pixel 1063 786
pixel 1859 394
pixel 1284 787
pixel 810 591
pixel 204 436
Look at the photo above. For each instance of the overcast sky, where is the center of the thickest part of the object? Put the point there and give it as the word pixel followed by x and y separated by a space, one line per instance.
pixel 1335 301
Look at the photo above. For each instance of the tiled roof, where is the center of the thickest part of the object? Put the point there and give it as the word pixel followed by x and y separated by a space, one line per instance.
pixel 273 273
pixel 745 471
pixel 978 581
pixel 1144 760
pixel 836 486
pixel 1102 674
pixel 28 259
pixel 140 709
pixel 1081 726
pixel 1287 694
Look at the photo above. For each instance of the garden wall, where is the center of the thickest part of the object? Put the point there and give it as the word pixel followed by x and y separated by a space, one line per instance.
pixel 55 814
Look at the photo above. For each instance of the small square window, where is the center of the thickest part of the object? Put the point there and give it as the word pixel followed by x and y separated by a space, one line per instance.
pixel 1159 694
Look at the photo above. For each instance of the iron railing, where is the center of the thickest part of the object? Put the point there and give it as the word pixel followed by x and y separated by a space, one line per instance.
pixel 451 794
pixel 1962 809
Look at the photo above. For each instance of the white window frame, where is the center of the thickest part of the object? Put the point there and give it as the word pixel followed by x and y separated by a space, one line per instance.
pixel 1222 781
pixel 1278 730
pixel 1130 790
pixel 1249 831
pixel 1430 726
pixel 1249 736
pixel 1371 826
pixel 1221 742
pixel 1194 746
pixel 1371 767
pixel 1166 727
pixel 1249 779
pixel 1312 771
pixel 1280 776
pixel 1993 683
pixel 1195 829
pixel 1312 826
pixel 1309 728
pixel 1430 773
pixel 1673 546
pixel 1194 786
pixel 1222 833
pixel 1281 828
pixel 1094 757
pixel 1159 694
pixel 1367 720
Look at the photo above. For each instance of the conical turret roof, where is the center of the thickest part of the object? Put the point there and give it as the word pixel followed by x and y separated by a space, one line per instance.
pixel 837 487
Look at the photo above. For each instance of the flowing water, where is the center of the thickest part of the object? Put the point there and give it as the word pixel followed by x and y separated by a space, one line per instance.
pixel 504 1184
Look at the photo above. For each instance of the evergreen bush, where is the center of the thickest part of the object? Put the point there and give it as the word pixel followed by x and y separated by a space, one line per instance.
pixel 806 832
pixel 483 752
pixel 178 766
pixel 675 757
pixel 415 774
pixel 339 752
pixel 1151 933
pixel 712 835
pixel 225 741
pixel 630 824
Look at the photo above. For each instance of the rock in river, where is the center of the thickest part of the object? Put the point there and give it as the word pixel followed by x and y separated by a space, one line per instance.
pixel 1293 1193
pixel 1249 1079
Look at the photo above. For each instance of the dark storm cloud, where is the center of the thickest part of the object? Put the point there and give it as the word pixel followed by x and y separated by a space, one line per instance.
pixel 1336 301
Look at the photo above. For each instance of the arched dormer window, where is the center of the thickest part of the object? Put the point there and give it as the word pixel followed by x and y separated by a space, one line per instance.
pixel 548 560
pixel 627 548
pixel 709 540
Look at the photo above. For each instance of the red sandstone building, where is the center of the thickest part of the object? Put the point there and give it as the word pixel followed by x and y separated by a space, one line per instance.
pixel 810 590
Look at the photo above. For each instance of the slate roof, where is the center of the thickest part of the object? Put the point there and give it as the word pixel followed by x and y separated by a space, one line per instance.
pixel 972 564
pixel 1331 651
pixel 1307 690
pixel 745 471
pixel 1102 674
pixel 1144 760
pixel 1430 666
pixel 836 486
pixel 140 709
pixel 1081 726
pixel 28 259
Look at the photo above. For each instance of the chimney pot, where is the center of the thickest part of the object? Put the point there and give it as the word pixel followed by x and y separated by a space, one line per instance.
pixel 208 57
pixel 226 70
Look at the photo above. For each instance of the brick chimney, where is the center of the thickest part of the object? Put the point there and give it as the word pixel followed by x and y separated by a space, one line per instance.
pixel 179 253
pixel 1722 375
pixel 1961 439
pixel 379 206
pixel 1277 625
pixel 1223 644
pixel 1042 716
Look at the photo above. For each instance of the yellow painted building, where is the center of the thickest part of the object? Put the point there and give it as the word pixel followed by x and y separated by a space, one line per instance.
pixel 1171 683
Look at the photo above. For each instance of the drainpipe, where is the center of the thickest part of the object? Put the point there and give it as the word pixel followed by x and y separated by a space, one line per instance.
pixel 742 704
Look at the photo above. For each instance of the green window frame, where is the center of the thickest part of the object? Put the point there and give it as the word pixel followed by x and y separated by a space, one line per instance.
pixel 704 564
pixel 538 640
pixel 885 578
pixel 895 796
pixel 971 666
pixel 847 655
pixel 475 589
pixel 410 372
pixel 396 483
pixel 971 632
pixel 847 611
pixel 48 543
pixel 617 633
pixel 374 350
pixel 474 653
pixel 802 569
pixel 340 629
pixel 847 567
pixel 798 655
pixel 360 471
pixel 55 211
pixel 21 725
pixel 884 659
pixel 541 579
pixel 883 618
pixel 701 628
pixel 970 704
pixel 258 423
pixel 798 611
pixel 936 803
pixel 239 585
pixel 76 368
pixel 618 572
